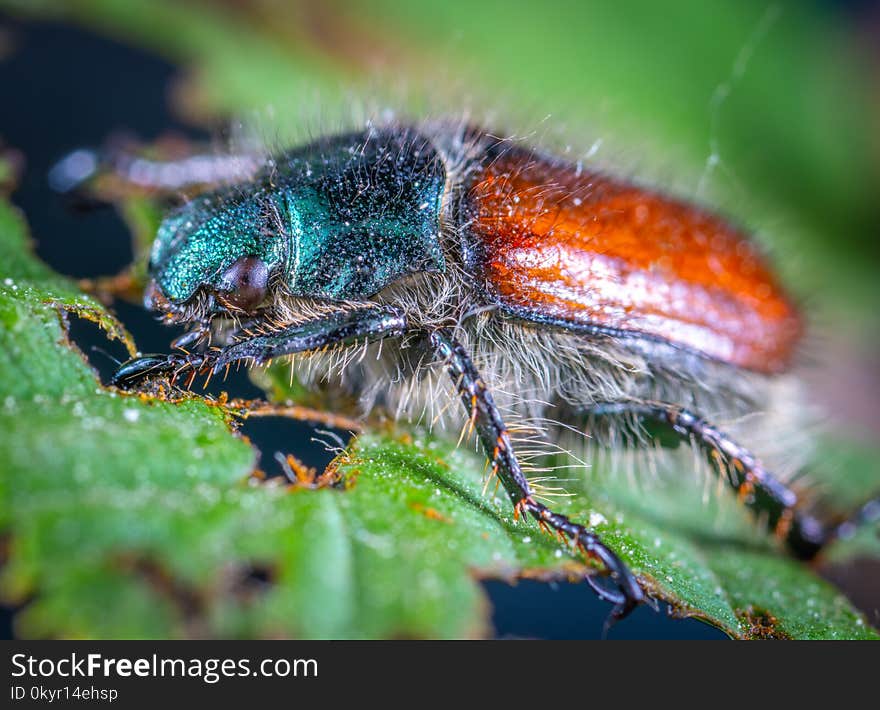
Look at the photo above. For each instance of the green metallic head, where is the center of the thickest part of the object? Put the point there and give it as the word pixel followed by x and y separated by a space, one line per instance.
pixel 338 219
pixel 206 245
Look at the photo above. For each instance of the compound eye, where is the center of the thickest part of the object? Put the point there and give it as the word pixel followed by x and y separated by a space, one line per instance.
pixel 245 283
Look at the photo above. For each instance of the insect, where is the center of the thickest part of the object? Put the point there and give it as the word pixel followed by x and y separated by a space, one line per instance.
pixel 543 288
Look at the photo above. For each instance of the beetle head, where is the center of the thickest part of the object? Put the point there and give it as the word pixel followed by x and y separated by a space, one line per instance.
pixel 336 220
pixel 216 254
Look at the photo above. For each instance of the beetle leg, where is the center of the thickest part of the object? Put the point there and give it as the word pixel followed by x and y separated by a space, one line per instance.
pixel 113 171
pixel 362 324
pixel 495 438
pixel 755 486
pixel 368 323
pixel 195 337
pixel 137 369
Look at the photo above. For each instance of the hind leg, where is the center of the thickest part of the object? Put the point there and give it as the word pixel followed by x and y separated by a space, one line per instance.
pixel 756 487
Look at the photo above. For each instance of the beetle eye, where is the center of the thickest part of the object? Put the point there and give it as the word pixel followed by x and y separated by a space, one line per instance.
pixel 244 284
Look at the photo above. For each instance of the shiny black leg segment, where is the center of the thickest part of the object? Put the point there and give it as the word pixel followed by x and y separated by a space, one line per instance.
pixel 755 486
pixel 345 327
pixel 134 371
pixel 495 438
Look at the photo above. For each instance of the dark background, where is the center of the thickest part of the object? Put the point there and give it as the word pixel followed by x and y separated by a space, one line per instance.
pixel 62 88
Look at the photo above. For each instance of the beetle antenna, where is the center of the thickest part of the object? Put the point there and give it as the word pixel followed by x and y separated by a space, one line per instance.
pixel 114 360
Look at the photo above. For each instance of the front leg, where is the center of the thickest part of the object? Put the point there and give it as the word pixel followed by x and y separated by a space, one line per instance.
pixel 495 438
pixel 344 328
pixel 365 324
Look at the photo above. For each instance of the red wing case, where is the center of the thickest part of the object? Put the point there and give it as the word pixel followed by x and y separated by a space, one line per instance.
pixel 555 243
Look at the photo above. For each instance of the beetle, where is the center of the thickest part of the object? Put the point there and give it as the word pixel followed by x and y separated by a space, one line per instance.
pixel 544 288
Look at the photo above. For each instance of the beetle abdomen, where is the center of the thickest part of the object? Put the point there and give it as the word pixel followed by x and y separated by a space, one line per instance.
pixel 554 243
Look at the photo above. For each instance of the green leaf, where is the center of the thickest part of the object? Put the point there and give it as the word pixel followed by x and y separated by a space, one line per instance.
pixel 700 570
pixel 137 516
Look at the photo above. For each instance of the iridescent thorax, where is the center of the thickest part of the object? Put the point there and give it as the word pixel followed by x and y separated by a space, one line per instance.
pixel 337 219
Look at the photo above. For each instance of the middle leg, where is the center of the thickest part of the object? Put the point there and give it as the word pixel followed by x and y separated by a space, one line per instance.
pixel 495 438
